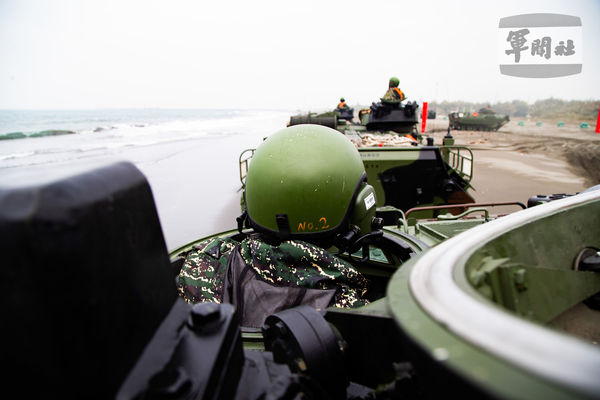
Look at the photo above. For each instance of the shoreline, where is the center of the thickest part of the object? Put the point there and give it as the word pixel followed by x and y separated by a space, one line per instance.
pixel 517 162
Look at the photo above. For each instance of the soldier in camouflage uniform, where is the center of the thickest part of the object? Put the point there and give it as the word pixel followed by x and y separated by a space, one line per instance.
pixel 282 262
pixel 393 94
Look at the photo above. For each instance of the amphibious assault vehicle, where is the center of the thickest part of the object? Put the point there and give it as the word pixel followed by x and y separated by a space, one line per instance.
pixel 484 120
pixel 405 169
pixel 475 306
pixel 381 117
pixel 406 174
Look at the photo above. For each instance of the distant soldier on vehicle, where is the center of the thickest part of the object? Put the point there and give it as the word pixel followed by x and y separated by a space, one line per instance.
pixel 305 192
pixel 343 111
pixel 393 94
pixel 487 110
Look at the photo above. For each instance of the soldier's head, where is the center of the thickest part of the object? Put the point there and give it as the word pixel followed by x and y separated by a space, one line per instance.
pixel 394 82
pixel 342 99
pixel 308 182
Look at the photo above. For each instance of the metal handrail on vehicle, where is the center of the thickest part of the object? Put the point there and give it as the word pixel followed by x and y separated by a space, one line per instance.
pixel 469 208
pixel 244 160
pixel 460 162
pixel 465 205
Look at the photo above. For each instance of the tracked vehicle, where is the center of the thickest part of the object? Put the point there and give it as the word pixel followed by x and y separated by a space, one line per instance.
pixel 484 120
pixel 384 117
pixel 478 306
pixel 406 174
pixel 405 169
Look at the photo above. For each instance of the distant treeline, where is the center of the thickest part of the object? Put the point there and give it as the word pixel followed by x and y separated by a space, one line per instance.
pixel 548 108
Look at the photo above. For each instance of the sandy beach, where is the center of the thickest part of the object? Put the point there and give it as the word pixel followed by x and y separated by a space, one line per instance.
pixel 517 162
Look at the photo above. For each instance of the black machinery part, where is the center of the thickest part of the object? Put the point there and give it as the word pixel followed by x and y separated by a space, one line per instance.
pixel 301 338
pixel 542 198
pixel 85 280
pixel 346 113
pixel 588 259
pixel 422 181
pixel 397 117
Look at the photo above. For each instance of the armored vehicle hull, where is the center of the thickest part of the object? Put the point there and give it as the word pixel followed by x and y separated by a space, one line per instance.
pixel 406 174
pixel 404 171
pixel 379 117
pixel 461 306
pixel 477 121
pixel 456 299
pixel 533 295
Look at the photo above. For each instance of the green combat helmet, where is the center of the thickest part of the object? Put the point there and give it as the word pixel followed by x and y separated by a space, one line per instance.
pixel 308 182
pixel 394 82
pixel 342 99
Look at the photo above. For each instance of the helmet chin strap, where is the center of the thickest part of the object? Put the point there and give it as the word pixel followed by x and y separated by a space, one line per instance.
pixel 242 221
pixel 283 224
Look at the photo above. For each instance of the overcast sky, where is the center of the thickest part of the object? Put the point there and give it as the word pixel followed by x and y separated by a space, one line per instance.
pixel 64 54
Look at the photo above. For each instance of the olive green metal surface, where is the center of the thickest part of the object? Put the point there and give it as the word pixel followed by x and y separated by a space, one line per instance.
pixel 477 302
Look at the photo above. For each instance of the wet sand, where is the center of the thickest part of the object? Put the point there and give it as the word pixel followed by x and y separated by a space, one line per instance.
pixel 197 188
pixel 518 162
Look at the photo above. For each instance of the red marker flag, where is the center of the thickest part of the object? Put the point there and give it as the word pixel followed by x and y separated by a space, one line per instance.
pixel 424 117
pixel 598 122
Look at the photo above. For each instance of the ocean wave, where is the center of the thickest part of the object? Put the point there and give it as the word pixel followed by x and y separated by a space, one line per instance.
pixel 13 135
pixel 63 140
pixel 103 128
pixel 50 132
pixel 14 156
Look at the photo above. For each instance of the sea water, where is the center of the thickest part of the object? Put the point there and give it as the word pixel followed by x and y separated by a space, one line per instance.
pixel 190 157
